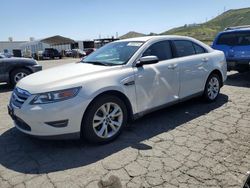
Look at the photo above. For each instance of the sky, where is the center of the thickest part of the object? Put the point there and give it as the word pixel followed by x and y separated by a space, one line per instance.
pixel 89 19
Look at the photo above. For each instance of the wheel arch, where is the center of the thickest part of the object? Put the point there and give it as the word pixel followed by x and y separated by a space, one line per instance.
pixel 16 68
pixel 217 72
pixel 118 94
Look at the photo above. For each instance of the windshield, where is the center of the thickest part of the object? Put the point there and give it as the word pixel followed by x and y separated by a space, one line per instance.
pixel 117 53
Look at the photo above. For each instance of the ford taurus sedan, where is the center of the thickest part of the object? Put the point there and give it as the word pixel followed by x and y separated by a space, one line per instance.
pixel 124 80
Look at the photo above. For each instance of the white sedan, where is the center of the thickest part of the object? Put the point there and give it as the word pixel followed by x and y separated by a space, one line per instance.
pixel 124 80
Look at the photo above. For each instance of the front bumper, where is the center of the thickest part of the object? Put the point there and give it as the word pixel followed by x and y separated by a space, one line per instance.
pixel 36 68
pixel 35 120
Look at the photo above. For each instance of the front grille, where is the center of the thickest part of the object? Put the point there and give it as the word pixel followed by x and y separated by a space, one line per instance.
pixel 19 96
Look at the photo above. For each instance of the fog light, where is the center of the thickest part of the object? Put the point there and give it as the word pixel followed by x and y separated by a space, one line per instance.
pixel 58 124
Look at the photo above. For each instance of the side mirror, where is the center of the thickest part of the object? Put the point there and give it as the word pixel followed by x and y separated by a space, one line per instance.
pixel 147 60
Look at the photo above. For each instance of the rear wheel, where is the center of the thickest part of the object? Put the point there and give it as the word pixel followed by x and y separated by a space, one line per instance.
pixel 104 119
pixel 17 75
pixel 212 88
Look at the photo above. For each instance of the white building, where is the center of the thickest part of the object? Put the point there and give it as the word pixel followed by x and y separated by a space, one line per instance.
pixel 33 46
pixel 9 46
pixel 29 48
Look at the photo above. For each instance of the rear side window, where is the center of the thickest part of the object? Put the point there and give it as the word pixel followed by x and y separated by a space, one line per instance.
pixel 184 48
pixel 234 39
pixel 199 49
pixel 160 49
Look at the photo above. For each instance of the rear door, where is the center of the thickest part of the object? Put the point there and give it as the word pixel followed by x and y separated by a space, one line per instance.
pixel 193 61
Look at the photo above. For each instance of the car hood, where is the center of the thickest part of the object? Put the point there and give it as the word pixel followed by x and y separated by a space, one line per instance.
pixel 20 60
pixel 62 77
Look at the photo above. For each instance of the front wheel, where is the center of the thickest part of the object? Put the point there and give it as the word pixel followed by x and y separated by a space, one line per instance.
pixel 212 88
pixel 17 75
pixel 104 119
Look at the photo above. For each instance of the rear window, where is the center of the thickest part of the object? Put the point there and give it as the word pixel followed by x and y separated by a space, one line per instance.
pixel 234 39
pixel 199 49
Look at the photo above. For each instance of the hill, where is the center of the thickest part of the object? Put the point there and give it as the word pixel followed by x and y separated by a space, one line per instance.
pixel 208 30
pixel 132 34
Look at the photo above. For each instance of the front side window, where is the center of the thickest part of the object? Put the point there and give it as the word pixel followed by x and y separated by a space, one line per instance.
pixel 184 48
pixel 116 53
pixel 160 49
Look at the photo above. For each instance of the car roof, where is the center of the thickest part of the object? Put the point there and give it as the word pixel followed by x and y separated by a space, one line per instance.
pixel 147 38
pixel 235 30
pixel 166 37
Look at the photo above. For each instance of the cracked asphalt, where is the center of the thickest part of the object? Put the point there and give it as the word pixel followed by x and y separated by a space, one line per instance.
pixel 189 145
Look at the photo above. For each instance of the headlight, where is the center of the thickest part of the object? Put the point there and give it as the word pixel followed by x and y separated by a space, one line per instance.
pixel 55 96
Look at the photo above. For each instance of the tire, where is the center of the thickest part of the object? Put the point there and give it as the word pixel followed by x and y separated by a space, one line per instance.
pixel 17 75
pixel 212 88
pixel 98 128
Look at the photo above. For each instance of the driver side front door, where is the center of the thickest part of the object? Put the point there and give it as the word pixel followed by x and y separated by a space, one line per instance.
pixel 157 84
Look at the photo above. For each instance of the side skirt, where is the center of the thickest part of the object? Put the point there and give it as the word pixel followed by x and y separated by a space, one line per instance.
pixel 141 114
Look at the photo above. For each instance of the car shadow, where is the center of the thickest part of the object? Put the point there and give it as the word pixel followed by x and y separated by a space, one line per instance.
pixel 239 80
pixel 29 155
pixel 5 88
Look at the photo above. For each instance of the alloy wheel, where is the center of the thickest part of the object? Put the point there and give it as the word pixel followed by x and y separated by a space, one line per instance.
pixel 213 88
pixel 19 76
pixel 108 120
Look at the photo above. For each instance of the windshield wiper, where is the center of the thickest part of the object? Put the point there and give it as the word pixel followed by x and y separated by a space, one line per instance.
pixel 96 63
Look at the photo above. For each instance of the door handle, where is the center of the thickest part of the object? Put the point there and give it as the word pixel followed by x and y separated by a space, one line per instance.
pixel 205 59
pixel 172 66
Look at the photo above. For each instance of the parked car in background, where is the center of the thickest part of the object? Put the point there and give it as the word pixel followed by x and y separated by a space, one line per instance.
pixel 89 50
pixel 78 53
pixel 51 53
pixel 14 69
pixel 75 53
pixel 68 53
pixel 123 80
pixel 235 43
